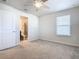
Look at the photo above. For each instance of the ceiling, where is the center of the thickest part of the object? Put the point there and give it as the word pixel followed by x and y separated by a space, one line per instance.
pixel 53 6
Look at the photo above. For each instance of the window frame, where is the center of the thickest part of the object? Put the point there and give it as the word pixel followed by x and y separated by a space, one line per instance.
pixel 69 25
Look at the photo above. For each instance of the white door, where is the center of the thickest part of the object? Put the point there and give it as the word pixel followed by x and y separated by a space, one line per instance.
pixel 9 29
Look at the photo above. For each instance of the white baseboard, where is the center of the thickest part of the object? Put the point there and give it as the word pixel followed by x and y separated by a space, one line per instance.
pixel 32 39
pixel 59 42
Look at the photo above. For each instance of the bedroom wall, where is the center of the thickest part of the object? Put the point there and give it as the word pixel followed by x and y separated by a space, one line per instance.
pixel 48 27
pixel 33 27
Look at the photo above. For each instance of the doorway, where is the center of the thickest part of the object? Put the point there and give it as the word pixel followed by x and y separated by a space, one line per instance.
pixel 23 28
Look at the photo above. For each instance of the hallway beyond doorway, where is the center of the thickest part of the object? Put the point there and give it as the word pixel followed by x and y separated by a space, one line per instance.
pixel 23 28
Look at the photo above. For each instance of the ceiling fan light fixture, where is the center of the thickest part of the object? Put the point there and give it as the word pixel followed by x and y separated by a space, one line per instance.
pixel 38 4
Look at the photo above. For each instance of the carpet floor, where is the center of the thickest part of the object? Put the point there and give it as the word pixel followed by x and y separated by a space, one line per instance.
pixel 40 50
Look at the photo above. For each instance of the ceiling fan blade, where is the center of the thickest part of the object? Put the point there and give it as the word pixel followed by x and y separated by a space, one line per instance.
pixel 4 0
pixel 44 0
pixel 45 6
pixel 28 4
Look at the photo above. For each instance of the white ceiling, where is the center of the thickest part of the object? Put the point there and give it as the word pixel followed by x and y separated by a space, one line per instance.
pixel 53 6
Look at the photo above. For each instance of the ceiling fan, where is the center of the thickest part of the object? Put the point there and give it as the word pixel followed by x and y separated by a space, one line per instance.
pixel 37 4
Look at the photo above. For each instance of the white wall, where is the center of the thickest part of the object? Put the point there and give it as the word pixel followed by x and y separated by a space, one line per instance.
pixel 48 27
pixel 33 28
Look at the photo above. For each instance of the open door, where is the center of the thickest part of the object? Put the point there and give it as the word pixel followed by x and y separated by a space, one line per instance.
pixel 23 28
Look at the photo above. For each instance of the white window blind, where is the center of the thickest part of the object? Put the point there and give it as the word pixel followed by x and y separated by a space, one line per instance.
pixel 63 25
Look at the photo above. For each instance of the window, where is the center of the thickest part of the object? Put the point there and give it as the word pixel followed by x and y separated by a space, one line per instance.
pixel 63 25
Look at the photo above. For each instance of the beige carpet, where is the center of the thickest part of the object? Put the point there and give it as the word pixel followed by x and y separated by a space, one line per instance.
pixel 40 50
